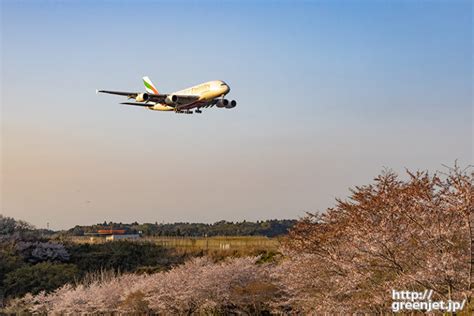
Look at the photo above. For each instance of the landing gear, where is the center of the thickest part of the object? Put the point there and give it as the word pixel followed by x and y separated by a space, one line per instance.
pixel 198 111
pixel 184 112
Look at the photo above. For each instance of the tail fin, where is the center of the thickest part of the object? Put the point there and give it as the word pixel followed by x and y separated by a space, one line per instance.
pixel 149 86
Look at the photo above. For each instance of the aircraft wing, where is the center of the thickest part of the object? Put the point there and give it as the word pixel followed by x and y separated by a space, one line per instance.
pixel 127 94
pixel 137 104
pixel 182 100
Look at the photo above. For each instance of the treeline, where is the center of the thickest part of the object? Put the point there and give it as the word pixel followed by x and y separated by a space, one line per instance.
pixel 269 228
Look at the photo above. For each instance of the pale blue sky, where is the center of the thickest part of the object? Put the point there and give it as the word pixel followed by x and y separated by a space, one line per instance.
pixel 329 93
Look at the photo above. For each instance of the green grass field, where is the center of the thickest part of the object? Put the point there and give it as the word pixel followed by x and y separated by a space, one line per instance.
pixel 216 243
pixel 219 242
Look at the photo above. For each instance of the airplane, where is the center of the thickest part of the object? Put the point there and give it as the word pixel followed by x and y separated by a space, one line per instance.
pixel 203 95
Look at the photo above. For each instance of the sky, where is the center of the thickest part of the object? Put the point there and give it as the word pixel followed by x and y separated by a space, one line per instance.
pixel 329 94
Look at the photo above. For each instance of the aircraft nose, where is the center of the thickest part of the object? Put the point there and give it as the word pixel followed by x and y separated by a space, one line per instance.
pixel 223 87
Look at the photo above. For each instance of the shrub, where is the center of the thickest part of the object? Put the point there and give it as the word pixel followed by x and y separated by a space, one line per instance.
pixel 43 276
pixel 120 256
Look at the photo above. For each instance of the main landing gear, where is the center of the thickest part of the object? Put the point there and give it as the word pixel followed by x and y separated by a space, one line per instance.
pixel 184 112
pixel 198 111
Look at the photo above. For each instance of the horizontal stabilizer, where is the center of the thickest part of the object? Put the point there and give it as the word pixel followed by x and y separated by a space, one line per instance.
pixel 137 104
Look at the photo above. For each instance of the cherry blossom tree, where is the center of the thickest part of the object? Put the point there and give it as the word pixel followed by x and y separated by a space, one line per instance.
pixel 393 234
pixel 200 285
pixel 42 251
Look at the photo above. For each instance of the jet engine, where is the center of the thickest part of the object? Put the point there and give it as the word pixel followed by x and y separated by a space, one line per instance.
pixel 142 97
pixel 232 104
pixel 222 103
pixel 171 99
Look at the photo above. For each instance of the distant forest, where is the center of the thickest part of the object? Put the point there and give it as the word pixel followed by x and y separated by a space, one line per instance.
pixel 269 228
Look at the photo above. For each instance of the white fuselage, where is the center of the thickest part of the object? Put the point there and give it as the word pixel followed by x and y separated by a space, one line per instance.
pixel 206 92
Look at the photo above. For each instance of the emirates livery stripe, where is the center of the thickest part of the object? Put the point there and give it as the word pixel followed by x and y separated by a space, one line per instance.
pixel 149 86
